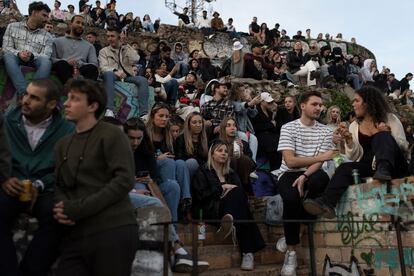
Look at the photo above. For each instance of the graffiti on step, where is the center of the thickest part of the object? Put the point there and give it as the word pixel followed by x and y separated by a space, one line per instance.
pixel 352 269
pixel 389 258
pixel 354 232
pixel 399 201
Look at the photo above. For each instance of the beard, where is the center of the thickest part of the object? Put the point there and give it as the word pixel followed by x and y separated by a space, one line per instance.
pixel 77 32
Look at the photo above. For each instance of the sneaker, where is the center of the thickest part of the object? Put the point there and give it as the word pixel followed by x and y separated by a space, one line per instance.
pixel 290 264
pixel 109 113
pixel 144 118
pixel 281 245
pixel 254 176
pixel 318 207
pixel 247 262
pixel 184 264
pixel 226 227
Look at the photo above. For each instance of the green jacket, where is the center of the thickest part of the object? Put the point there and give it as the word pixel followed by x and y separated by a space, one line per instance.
pixel 37 164
pixel 5 157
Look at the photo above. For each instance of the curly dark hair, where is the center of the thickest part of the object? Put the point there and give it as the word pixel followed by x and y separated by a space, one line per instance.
pixel 376 105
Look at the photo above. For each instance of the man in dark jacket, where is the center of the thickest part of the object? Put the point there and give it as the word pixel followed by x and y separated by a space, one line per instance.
pixel 254 63
pixel 393 83
pixel 33 129
pixel 266 130
pixel 95 173
pixel 405 82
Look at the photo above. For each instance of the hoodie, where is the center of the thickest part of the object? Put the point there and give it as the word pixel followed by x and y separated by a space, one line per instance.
pixel 366 73
pixel 179 57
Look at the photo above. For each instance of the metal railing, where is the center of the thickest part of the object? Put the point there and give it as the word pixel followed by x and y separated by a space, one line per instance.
pixel 396 222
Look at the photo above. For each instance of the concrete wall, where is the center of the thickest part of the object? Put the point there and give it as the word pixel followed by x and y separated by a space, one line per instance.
pixel 373 243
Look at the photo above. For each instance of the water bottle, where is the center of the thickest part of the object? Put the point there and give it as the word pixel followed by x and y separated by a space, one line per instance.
pixel 236 147
pixel 355 176
pixel 201 228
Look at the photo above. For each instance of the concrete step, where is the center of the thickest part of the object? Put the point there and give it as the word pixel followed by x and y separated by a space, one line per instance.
pixel 228 256
pixel 260 270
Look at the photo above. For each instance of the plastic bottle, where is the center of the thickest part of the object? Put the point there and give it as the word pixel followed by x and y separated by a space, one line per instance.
pixel 236 148
pixel 355 176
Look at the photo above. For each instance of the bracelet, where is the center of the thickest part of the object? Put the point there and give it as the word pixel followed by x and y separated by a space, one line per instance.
pixel 305 175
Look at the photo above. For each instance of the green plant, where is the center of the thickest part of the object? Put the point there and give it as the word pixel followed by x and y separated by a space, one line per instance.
pixel 341 100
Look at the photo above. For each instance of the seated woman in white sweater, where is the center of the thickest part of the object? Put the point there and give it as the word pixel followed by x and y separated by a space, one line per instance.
pixel 375 143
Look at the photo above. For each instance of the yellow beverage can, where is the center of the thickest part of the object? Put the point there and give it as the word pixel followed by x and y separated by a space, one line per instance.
pixel 26 195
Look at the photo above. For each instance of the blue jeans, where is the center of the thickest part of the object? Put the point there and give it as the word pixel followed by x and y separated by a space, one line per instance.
pixel 171 88
pixel 170 169
pixel 148 27
pixel 142 201
pixel 12 64
pixel 141 83
pixel 183 71
pixel 356 81
pixel 192 166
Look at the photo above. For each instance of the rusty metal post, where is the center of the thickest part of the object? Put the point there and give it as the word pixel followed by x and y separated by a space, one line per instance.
pixel 195 248
pixel 311 249
pixel 166 249
pixel 400 246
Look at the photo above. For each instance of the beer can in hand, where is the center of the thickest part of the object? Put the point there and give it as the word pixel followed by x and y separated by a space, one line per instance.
pixel 26 195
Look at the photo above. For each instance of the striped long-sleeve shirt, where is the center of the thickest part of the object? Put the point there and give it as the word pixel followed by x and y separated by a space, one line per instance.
pixel 18 37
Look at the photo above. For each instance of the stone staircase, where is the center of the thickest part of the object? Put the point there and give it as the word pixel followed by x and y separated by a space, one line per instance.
pixel 224 257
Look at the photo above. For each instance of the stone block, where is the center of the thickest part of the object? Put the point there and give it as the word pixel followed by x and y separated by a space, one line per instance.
pixel 333 239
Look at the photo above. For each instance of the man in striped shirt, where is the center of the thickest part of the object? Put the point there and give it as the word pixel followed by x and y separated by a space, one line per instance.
pixel 27 43
pixel 305 144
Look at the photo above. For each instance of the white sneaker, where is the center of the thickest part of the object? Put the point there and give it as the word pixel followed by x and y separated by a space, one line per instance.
pixel 247 262
pixel 281 245
pixel 109 113
pixel 254 176
pixel 290 264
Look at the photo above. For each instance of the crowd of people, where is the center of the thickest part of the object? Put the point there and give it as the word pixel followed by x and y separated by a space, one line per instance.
pixel 200 142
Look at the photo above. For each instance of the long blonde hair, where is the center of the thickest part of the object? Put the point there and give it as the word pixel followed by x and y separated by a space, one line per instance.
pixel 165 131
pixel 329 116
pixel 216 144
pixel 188 137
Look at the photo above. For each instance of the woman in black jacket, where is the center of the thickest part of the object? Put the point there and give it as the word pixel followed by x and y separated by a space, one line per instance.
pixel 217 192
pixel 240 153
pixel 192 145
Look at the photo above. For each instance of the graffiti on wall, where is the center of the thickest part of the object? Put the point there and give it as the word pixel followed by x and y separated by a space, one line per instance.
pixel 353 232
pixel 389 258
pixel 399 201
pixel 339 269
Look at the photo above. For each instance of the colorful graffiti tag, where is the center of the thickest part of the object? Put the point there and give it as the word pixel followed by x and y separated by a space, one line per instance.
pixel 398 201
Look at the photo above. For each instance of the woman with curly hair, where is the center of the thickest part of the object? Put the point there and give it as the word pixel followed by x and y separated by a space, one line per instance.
pixel 375 143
